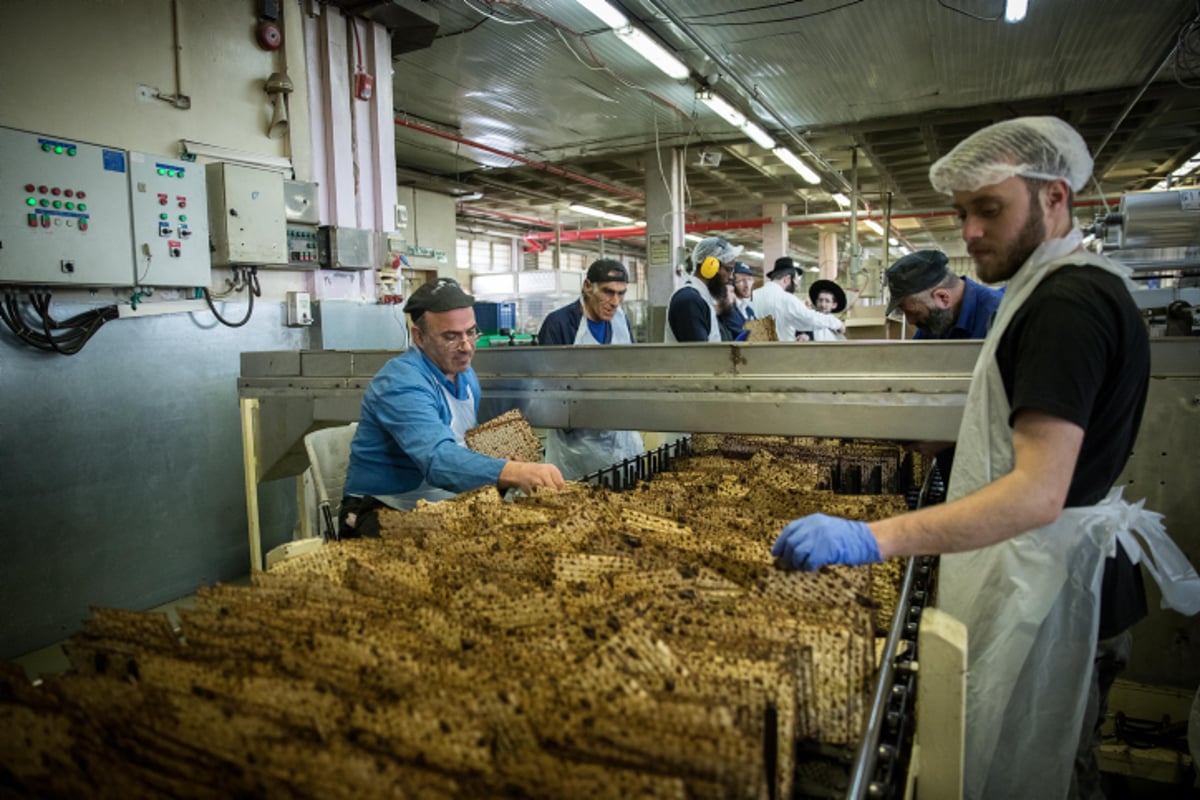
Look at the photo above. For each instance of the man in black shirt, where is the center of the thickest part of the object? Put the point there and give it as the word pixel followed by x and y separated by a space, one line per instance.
pixel 1054 406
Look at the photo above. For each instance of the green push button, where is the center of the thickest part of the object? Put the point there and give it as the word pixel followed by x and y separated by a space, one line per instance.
pixel 58 203
pixel 83 206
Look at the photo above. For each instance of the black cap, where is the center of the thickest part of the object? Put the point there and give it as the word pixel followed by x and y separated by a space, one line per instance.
pixel 606 271
pixel 444 294
pixel 824 285
pixel 915 273
pixel 782 264
pixel 742 268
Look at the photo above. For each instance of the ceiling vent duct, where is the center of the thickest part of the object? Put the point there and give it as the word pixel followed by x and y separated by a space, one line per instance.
pixel 413 24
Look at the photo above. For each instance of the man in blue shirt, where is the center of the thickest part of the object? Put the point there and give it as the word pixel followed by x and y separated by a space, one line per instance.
pixel 596 318
pixel 939 303
pixel 409 445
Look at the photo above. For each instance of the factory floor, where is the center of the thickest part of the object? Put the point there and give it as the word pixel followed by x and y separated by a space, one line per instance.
pixel 52 659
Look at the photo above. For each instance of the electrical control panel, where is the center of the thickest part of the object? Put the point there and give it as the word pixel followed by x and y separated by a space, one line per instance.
pixel 339 247
pixel 246 216
pixel 64 212
pixel 170 221
pixel 302 246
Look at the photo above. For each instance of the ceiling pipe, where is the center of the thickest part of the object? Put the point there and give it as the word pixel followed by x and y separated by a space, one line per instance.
pixel 662 7
pixel 501 215
pixel 553 170
pixel 741 224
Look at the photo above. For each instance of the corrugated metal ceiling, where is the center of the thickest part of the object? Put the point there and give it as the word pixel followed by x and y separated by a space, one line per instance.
pixel 900 81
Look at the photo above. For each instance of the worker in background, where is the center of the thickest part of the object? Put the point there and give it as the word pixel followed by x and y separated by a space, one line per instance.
pixel 940 304
pixel 596 318
pixel 827 298
pixel 409 445
pixel 692 309
pixel 733 318
pixel 1040 555
pixel 777 298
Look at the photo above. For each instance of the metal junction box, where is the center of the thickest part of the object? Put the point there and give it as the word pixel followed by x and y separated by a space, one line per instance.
pixel 300 206
pixel 170 221
pixel 64 212
pixel 246 216
pixel 344 248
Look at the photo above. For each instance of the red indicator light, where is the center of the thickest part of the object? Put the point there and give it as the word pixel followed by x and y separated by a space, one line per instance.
pixel 43 189
pixel 80 194
pixel 69 192
pixel 56 191
pixel 29 187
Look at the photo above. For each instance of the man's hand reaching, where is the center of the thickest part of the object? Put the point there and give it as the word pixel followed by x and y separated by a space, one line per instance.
pixel 524 476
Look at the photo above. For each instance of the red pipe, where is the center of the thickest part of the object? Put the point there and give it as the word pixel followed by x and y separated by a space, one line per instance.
pixel 536 164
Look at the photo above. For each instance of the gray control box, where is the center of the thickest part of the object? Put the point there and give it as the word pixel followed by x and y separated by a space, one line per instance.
pixel 246 216
pixel 344 248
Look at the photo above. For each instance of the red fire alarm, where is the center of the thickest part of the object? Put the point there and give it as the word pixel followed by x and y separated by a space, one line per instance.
pixel 364 85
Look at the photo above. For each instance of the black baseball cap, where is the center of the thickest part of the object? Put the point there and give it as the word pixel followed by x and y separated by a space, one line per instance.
pixel 438 296
pixel 916 272
pixel 606 270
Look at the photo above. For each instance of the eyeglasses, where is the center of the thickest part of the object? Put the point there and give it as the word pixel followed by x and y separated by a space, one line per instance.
pixel 452 340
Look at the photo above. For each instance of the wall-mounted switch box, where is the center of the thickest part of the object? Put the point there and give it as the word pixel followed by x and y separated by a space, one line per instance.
pixel 299 309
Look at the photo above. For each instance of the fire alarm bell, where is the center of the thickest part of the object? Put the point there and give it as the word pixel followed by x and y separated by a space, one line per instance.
pixel 364 85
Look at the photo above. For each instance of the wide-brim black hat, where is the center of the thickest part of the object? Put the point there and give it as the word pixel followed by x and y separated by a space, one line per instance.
pixel 824 285
pixel 783 264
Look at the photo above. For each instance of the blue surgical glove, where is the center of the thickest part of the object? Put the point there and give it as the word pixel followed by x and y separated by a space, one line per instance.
pixel 817 540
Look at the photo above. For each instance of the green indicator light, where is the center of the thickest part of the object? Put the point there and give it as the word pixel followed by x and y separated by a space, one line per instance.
pixel 178 173
pixel 58 203
pixel 70 151
pixel 162 215
pixel 58 148
pixel 45 203
pixel 183 217
pixel 83 206
pixel 46 148
pixel 70 205
pixel 31 201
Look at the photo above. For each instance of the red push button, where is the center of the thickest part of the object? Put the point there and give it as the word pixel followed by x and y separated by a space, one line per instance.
pixel 45 222
pixel 83 225
pixel 182 202
pixel 32 220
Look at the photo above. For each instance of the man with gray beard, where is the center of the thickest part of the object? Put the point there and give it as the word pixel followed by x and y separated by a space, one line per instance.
pixel 940 304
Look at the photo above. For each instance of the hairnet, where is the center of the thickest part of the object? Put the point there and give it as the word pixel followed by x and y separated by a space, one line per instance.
pixel 716 247
pixel 1032 147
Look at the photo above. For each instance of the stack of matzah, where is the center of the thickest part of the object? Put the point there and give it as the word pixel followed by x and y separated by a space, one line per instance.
pixel 761 330
pixel 578 643
pixel 507 436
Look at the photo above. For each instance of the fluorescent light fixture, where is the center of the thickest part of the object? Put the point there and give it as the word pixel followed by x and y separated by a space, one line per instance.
pixel 605 13
pixel 588 211
pixel 721 106
pixel 641 223
pixel 653 52
pixel 1182 171
pixel 753 254
pixel 760 137
pixel 692 237
pixel 1014 10
pixel 893 241
pixel 793 161
pixel 242 157
pixel 841 200
pixel 873 225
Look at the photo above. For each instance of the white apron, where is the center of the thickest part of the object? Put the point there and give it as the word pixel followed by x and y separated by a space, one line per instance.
pixel 1031 604
pixel 582 451
pixel 462 419
pixel 714 330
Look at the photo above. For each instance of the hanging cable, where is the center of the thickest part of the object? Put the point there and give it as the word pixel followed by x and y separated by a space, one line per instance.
pixel 247 276
pixel 66 337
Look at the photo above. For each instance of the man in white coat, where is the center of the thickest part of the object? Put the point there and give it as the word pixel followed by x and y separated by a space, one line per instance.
pixel 1041 553
pixel 777 298
pixel 596 318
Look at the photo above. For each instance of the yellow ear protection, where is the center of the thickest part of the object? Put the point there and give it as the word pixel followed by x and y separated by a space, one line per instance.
pixel 709 267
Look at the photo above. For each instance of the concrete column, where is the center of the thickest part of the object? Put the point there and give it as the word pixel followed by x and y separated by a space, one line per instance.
pixel 774 234
pixel 827 248
pixel 665 246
